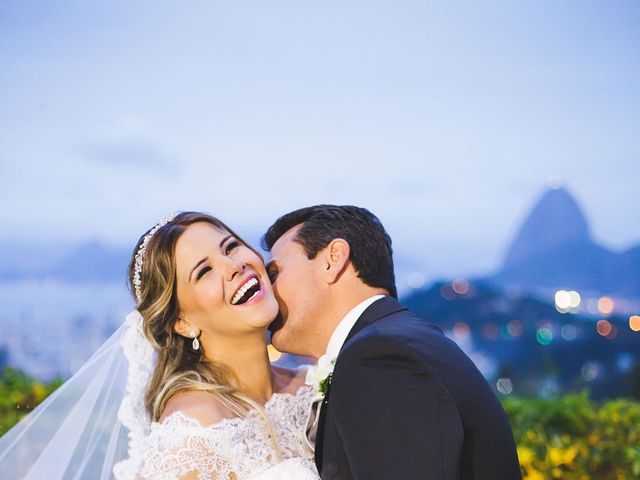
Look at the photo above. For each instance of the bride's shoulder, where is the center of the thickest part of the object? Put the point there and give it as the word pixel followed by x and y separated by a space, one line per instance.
pixel 198 405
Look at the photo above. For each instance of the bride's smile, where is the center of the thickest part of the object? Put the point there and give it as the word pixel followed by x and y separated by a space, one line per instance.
pixel 249 292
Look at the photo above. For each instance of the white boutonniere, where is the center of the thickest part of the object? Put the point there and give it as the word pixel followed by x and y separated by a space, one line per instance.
pixel 320 375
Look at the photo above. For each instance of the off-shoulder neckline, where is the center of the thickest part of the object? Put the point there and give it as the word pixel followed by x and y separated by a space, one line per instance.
pixel 232 420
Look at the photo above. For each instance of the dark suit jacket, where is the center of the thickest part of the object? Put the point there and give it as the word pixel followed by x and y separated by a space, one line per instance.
pixel 406 403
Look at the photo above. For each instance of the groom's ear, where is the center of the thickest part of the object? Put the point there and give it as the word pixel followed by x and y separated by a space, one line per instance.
pixel 336 259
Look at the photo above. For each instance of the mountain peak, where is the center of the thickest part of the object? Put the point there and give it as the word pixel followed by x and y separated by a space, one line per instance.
pixel 556 221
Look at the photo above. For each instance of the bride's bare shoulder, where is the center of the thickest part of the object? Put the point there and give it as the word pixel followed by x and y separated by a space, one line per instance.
pixel 202 406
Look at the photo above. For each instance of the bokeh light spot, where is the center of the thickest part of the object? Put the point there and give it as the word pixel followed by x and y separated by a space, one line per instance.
pixel 460 286
pixel 591 371
pixel 604 327
pixel 544 336
pixel 515 328
pixel 567 301
pixel 504 385
pixel 461 331
pixel 605 305
pixel 569 332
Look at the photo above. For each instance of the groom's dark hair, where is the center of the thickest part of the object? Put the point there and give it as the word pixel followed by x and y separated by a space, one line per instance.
pixel 369 243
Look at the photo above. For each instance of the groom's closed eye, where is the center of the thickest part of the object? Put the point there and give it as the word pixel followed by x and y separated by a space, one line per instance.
pixel 272 271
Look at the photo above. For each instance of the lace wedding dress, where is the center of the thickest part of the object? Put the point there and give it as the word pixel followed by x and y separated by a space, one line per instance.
pixel 180 447
pixel 235 448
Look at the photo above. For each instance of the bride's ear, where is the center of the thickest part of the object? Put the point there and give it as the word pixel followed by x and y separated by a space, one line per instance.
pixel 182 327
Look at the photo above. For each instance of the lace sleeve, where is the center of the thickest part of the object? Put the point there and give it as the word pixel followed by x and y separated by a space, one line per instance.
pixel 179 448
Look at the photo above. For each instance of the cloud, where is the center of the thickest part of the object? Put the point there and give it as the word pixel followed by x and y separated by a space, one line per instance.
pixel 136 153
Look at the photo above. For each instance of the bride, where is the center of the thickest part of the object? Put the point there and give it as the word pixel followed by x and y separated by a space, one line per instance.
pixel 197 393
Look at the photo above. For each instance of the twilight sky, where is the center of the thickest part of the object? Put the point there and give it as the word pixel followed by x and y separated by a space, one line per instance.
pixel 446 119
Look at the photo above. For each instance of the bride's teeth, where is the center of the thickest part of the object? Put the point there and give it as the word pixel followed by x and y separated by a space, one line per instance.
pixel 243 290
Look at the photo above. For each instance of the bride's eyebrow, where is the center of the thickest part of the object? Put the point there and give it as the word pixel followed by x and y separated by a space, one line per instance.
pixel 197 265
pixel 225 239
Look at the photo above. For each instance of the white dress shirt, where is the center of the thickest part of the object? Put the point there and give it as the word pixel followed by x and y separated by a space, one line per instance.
pixel 341 332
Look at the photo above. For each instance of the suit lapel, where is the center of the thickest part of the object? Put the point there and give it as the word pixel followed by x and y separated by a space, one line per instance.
pixel 377 310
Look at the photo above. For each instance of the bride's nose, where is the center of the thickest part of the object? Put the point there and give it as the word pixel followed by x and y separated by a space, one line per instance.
pixel 233 268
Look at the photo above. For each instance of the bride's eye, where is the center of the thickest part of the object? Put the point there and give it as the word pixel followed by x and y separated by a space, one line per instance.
pixel 202 272
pixel 230 246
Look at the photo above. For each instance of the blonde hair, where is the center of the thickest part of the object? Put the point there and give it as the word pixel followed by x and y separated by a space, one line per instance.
pixel 178 367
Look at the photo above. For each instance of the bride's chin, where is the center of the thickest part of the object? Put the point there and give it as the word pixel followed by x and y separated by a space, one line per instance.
pixel 271 308
pixel 266 318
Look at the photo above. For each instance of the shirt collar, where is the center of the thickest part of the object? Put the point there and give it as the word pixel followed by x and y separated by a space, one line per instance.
pixel 341 332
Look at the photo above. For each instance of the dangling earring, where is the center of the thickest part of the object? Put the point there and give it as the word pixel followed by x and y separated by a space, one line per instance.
pixel 196 344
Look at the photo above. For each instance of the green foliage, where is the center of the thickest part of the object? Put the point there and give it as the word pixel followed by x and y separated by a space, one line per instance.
pixel 19 394
pixel 572 437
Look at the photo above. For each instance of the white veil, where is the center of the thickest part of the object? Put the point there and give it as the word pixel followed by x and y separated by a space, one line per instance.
pixel 80 430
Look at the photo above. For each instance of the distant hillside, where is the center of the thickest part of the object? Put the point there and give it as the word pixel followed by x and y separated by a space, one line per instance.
pixel 554 249
pixel 19 260
pixel 530 342
pixel 91 261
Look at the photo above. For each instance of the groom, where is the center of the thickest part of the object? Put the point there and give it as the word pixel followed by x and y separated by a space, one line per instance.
pixel 403 402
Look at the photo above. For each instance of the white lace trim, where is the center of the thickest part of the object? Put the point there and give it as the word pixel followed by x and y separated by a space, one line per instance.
pixel 233 448
pixel 141 357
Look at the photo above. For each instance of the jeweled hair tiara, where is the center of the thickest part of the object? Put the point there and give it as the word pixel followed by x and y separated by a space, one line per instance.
pixel 137 282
